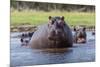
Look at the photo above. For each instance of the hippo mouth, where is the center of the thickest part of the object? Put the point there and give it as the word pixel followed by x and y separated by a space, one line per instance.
pixel 81 40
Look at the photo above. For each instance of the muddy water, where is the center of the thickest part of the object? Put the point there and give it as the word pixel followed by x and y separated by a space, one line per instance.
pixel 25 56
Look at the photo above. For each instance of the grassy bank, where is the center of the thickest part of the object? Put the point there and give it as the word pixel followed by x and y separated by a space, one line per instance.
pixel 40 17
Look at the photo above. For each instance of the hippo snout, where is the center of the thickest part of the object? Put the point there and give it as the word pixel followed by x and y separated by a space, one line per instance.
pixel 50 38
pixel 56 37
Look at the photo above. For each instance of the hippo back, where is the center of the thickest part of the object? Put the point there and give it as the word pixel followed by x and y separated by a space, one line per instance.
pixel 39 38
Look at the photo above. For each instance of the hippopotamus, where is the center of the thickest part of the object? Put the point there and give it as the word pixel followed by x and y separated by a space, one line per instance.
pixel 25 38
pixel 54 34
pixel 80 35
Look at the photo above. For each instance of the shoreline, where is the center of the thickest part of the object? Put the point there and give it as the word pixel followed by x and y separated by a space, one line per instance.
pixel 32 28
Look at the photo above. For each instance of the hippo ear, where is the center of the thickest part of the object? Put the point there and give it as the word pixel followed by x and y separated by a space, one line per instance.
pixel 50 17
pixel 62 18
pixel 74 29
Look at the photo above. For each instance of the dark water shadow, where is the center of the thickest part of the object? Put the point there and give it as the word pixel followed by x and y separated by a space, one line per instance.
pixel 55 50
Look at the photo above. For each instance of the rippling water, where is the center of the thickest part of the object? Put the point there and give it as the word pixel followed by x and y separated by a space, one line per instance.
pixel 24 56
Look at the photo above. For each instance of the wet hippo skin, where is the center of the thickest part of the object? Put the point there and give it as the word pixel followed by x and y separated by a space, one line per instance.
pixel 80 35
pixel 55 34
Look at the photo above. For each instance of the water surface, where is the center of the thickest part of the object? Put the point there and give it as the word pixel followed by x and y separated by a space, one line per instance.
pixel 24 56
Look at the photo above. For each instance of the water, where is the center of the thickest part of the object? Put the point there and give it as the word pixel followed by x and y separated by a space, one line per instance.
pixel 24 56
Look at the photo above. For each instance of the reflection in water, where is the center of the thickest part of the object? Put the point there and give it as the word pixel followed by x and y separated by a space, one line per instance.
pixel 21 56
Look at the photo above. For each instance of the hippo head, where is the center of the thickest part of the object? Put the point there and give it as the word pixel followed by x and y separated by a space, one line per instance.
pixel 56 28
pixel 80 35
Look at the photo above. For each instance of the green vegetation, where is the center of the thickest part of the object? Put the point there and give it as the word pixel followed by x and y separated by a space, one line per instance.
pixel 41 17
